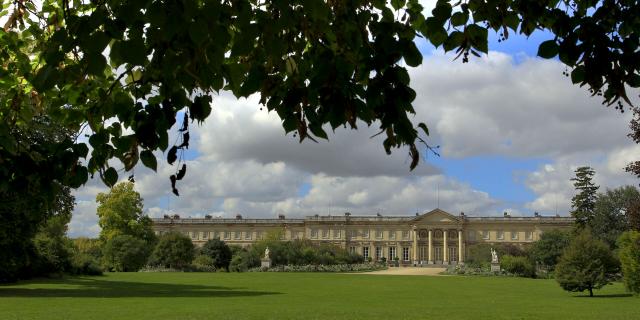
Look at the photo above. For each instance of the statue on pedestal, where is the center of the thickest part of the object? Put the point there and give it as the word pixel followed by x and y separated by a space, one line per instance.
pixel 494 256
pixel 266 253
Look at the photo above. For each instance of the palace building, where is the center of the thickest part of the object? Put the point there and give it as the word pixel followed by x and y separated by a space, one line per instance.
pixel 435 237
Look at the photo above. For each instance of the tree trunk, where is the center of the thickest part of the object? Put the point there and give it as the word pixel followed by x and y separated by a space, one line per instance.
pixel 590 292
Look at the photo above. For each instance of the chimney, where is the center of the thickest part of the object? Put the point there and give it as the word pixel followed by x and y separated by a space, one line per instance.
pixel 281 216
pixel 177 217
pixel 506 215
pixel 346 214
pixel 536 214
pixel 208 216
pixel 238 216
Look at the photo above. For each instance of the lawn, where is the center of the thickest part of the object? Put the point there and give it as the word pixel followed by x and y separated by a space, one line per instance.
pixel 306 296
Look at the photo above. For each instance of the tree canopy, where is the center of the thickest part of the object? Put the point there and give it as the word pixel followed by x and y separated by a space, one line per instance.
pixel 120 213
pixel 584 202
pixel 125 69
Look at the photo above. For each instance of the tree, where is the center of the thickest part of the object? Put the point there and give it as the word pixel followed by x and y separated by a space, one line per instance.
pixel 53 250
pixel 120 213
pixel 174 250
pixel 629 252
pixel 583 203
pixel 548 250
pixel 586 264
pixel 633 214
pixel 634 167
pixel 123 253
pixel 611 213
pixel 218 251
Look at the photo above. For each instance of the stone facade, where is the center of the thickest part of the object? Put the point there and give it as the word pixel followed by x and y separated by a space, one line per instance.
pixel 435 237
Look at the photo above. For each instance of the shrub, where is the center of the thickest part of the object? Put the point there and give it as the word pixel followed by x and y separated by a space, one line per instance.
pixel 520 266
pixel 586 264
pixel 629 253
pixel 125 253
pixel 218 252
pixel 174 250
pixel 548 250
pixel 84 264
pixel 204 263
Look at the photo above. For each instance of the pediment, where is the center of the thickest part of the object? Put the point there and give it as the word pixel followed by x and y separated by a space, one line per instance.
pixel 437 216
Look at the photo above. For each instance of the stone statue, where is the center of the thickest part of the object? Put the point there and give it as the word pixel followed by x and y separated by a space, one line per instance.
pixel 494 256
pixel 266 253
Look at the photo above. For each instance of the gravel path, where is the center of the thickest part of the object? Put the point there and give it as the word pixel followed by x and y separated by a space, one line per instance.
pixel 408 271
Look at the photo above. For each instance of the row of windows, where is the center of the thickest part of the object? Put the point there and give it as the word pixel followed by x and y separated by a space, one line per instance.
pixel 231 235
pixel 379 234
pixel 500 235
pixel 391 253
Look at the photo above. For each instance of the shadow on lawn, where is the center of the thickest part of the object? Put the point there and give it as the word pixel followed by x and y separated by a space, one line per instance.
pixel 96 288
pixel 617 295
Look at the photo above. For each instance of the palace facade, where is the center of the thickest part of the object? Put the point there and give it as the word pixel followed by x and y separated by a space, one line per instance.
pixel 435 237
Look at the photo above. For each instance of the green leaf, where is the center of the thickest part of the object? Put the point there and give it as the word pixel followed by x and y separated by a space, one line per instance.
pixel 424 128
pixel 110 177
pixel 45 79
pixel 198 32
pixel 548 49
pixel 200 109
pixel 172 156
pixel 81 149
pixel 459 18
pixel 398 4
pixel 96 64
pixel 453 41
pixel 412 55
pixel 577 75
pixel 149 160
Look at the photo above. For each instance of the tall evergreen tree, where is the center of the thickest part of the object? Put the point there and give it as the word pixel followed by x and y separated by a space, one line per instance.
pixel 584 202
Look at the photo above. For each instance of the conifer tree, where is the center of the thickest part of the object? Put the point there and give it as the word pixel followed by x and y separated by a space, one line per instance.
pixel 584 202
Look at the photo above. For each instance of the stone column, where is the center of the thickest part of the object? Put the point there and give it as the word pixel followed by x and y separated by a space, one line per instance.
pixel 415 245
pixel 430 256
pixel 460 248
pixel 445 254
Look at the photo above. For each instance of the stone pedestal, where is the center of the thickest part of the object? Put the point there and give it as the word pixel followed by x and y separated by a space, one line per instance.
pixel 495 267
pixel 265 263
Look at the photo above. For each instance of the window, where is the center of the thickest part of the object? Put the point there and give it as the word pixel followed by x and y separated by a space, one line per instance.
pixel 405 234
pixel 214 235
pixel 336 234
pixel 485 235
pixel 392 235
pixel 325 234
pixel 500 235
pixel 365 252
pixel 352 234
pixel 392 253
pixel 237 235
pixel 514 235
pixel 194 235
pixel 205 235
pixel 471 235
pixel 528 235
pixel 378 234
pixel 365 234
pixel 314 234
pixel 378 253
pixel 352 250
pixel 227 235
pixel 405 254
pixel 259 235
pixel 247 235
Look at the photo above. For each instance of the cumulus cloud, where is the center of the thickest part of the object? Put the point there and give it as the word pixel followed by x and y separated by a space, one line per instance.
pixel 243 163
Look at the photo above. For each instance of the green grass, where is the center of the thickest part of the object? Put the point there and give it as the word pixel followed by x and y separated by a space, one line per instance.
pixel 306 296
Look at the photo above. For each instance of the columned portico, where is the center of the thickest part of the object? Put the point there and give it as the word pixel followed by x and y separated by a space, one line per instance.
pixel 414 234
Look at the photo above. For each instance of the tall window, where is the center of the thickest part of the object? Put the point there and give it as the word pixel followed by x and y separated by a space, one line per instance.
pixel 353 234
pixel 247 235
pixel 378 253
pixel 378 234
pixel 405 254
pixel 336 234
pixel 227 235
pixel 237 235
pixel 471 235
pixel 194 235
pixel 514 235
pixel 352 250
pixel 485 235
pixel 529 235
pixel 365 233
pixel 205 235
pixel 392 234
pixel 314 233
pixel 500 235
pixel 259 235
pixel 392 253
pixel 365 252
pixel 325 234
pixel 405 234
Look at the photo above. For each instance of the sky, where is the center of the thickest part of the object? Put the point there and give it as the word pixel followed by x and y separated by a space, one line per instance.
pixel 511 130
